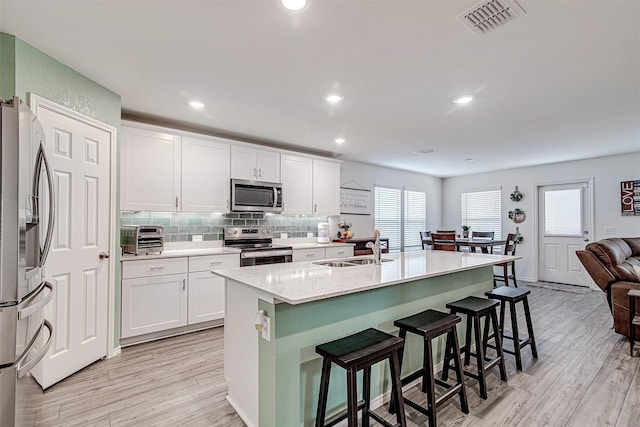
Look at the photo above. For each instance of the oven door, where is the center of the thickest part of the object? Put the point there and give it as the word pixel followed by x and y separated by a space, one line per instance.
pixel 275 256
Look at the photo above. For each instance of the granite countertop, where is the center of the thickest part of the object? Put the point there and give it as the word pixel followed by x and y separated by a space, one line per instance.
pixel 301 282
pixel 174 253
pixel 314 245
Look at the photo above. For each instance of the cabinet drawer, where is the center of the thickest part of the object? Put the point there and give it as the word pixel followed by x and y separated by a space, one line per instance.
pixel 339 251
pixel 212 262
pixel 153 267
pixel 308 254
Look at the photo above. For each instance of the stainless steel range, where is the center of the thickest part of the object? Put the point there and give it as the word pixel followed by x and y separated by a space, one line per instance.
pixel 256 246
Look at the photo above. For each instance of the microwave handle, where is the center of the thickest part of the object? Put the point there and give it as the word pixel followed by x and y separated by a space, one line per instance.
pixel 275 197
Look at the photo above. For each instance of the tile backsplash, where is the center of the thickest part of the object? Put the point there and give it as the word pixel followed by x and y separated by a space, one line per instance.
pixel 180 227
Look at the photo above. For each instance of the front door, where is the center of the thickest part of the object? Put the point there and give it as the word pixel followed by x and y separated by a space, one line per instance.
pixel 564 226
pixel 79 149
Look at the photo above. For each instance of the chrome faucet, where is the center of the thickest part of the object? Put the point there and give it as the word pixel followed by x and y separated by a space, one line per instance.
pixel 375 247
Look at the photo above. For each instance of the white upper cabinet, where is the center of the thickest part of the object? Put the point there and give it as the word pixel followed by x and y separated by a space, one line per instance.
pixel 326 187
pixel 205 175
pixel 150 170
pixel 255 165
pixel 297 177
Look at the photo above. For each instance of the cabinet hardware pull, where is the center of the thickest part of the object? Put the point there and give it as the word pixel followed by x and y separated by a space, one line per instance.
pixel 156 268
pixel 184 284
pixel 215 262
pixel 176 202
pixel 260 172
pixel 315 207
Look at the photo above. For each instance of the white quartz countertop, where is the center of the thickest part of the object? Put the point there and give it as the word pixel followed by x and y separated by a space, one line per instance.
pixel 315 245
pixel 173 253
pixel 301 282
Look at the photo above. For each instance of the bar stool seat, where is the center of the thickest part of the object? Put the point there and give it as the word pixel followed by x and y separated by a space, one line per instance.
pixel 512 296
pixel 359 352
pixel 430 324
pixel 475 309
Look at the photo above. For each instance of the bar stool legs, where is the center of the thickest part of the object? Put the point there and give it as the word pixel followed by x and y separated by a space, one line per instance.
pixel 354 353
pixel 476 309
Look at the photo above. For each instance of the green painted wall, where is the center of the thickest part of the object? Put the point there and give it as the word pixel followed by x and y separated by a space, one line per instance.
pixel 26 70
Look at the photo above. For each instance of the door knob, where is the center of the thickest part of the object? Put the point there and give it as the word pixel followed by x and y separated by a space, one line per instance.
pixel 104 255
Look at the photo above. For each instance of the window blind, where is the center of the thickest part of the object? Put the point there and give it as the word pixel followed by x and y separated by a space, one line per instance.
pixel 482 211
pixel 563 212
pixel 388 215
pixel 415 217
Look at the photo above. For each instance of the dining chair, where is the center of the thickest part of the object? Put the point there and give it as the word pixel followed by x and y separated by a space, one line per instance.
pixel 483 234
pixel 446 231
pixel 443 241
pixel 509 249
pixel 425 239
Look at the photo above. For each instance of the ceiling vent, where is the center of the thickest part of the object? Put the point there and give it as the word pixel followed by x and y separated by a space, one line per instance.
pixel 490 14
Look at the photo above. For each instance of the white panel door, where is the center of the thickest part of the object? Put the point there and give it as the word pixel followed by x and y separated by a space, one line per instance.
pixel 564 218
pixel 80 156
pixel 206 297
pixel 326 188
pixel 296 174
pixel 243 163
pixel 149 171
pixel 268 166
pixel 205 176
pixel 152 304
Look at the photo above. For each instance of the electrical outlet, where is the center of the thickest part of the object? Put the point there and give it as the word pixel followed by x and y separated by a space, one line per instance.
pixel 266 330
pixel 284 235
pixel 196 237
pixel 609 231
pixel 309 234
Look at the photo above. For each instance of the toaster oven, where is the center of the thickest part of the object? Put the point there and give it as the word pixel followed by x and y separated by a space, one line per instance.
pixel 141 239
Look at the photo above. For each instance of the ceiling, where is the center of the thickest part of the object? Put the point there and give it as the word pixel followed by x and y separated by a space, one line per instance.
pixel 559 83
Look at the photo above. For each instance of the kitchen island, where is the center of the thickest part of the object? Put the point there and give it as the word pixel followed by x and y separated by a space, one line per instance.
pixel 273 380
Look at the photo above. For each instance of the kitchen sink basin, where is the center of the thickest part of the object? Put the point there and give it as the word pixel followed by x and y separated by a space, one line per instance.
pixel 335 263
pixel 363 261
pixel 348 262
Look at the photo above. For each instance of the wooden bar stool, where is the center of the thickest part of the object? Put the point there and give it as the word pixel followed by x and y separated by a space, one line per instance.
pixel 475 309
pixel 633 319
pixel 354 353
pixel 512 296
pixel 431 324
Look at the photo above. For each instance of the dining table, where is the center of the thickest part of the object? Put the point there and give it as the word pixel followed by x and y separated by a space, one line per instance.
pixel 484 244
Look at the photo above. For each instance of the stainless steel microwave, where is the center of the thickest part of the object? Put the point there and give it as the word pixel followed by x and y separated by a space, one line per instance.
pixel 256 196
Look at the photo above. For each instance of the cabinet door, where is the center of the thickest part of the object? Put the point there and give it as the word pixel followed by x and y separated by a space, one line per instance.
pixel 308 254
pixel 206 297
pixel 151 304
pixel 205 175
pixel 149 170
pixel 326 188
pixel 339 251
pixel 296 174
pixel 243 163
pixel 268 166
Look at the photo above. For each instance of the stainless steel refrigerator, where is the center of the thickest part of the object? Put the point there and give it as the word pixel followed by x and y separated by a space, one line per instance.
pixel 26 230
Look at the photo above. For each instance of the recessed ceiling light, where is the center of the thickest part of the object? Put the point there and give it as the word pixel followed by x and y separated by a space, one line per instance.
pixel 196 104
pixel 340 140
pixel 425 151
pixel 470 159
pixel 463 99
pixel 334 98
pixel 294 4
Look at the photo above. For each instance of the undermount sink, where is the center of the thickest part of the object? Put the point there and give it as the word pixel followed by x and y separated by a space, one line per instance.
pixel 335 263
pixel 363 261
pixel 349 262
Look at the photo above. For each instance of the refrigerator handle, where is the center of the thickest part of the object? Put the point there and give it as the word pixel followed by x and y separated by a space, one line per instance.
pixel 41 159
pixel 23 370
pixel 30 309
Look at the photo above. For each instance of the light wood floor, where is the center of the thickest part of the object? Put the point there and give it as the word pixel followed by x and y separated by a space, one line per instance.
pixel 584 377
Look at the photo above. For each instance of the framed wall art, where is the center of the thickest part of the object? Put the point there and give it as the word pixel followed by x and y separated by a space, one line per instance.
pixel 630 198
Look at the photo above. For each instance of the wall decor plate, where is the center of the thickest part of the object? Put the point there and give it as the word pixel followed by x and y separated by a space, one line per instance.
pixel 517 216
pixel 516 196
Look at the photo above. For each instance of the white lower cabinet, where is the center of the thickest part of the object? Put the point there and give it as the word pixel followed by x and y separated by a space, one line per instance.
pixel 322 253
pixel 167 293
pixel 152 304
pixel 206 290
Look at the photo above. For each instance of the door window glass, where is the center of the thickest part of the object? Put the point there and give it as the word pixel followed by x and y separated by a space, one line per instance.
pixel 563 212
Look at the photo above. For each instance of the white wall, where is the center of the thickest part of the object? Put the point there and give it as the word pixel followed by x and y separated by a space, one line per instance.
pixel 607 172
pixel 369 176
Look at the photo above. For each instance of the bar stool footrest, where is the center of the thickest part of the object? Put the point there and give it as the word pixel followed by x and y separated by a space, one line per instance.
pixel 342 415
